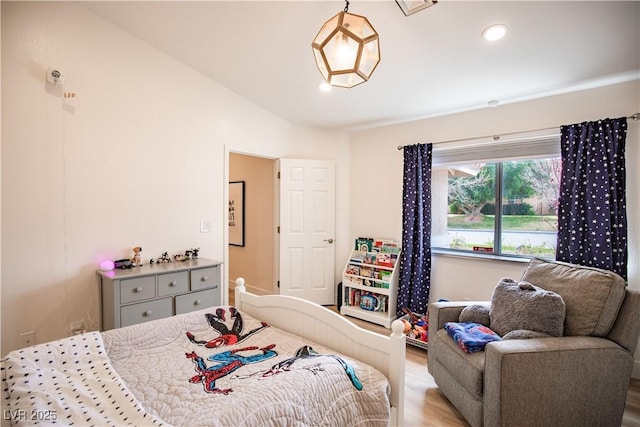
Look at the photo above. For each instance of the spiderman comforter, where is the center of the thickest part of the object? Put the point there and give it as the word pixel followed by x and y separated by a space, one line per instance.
pixel 214 367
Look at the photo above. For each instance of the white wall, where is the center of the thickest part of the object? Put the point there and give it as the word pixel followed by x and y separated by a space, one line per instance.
pixel 455 278
pixel 137 158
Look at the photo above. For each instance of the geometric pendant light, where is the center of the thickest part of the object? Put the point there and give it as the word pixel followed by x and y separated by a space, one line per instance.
pixel 346 49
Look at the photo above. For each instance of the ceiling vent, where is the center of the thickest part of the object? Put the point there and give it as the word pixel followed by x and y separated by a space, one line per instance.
pixel 410 7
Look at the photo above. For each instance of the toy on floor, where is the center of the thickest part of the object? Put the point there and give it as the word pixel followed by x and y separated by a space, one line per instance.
pixel 416 326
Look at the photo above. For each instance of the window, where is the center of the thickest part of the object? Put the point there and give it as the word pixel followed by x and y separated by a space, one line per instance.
pixel 497 199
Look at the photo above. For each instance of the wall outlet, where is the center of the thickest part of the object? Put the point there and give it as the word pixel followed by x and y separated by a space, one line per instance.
pixel 27 339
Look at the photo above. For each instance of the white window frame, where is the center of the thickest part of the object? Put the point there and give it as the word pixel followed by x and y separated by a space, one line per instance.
pixel 522 146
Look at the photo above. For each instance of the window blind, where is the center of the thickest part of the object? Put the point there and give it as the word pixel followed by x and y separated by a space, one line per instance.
pixel 515 146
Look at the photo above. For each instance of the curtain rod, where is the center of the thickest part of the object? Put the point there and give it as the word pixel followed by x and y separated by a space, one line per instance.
pixel 634 117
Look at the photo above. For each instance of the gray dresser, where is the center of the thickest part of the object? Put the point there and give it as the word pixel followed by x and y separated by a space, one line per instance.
pixel 155 291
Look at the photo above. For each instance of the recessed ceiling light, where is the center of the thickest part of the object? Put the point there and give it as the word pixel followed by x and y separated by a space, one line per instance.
pixel 494 32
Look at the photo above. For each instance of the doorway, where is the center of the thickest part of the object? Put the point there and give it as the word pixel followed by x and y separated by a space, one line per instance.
pixel 259 258
pixel 254 257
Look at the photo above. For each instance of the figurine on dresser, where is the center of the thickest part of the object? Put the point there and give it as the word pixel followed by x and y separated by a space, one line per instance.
pixel 136 260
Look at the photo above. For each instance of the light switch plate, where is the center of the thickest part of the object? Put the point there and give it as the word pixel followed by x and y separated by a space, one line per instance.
pixel 205 226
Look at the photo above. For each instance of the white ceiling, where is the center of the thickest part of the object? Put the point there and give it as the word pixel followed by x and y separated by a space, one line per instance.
pixel 433 62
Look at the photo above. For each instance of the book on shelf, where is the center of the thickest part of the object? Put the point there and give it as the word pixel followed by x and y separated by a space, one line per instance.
pixel 353 269
pixel 353 281
pixel 366 300
pixel 386 245
pixel 384 259
pixel 364 244
pixel 370 258
pixel 381 285
pixel 366 272
pixel 368 244
pixel 391 248
pixel 385 275
pixel 370 283
pixel 358 257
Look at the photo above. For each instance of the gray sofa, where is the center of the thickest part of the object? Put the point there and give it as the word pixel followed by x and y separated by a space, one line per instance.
pixel 577 379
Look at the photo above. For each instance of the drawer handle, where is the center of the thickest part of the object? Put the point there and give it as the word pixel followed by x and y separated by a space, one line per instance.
pixel 174 283
pixel 138 289
pixel 204 278
pixel 147 313
pixel 198 302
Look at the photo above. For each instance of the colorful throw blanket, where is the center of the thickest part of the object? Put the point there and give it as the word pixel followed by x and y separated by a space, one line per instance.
pixel 471 337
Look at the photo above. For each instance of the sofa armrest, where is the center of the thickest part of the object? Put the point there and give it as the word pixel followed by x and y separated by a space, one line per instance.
pixel 566 380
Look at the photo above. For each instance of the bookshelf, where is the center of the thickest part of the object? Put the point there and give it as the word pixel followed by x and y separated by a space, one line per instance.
pixel 370 281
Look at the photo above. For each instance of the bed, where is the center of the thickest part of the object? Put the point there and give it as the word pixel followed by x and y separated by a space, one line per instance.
pixel 267 360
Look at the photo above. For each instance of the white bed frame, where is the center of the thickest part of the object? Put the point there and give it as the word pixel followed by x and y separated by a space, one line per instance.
pixel 319 324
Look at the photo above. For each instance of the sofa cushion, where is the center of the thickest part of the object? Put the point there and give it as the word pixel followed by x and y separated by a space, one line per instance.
pixel 466 368
pixel 524 334
pixel 592 296
pixel 522 306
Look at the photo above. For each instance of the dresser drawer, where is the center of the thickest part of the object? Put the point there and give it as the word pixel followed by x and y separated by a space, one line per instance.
pixel 205 278
pixel 197 301
pixel 174 283
pixel 138 289
pixel 146 311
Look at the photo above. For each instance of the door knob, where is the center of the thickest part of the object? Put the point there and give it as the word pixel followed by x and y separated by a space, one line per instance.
pixel 328 240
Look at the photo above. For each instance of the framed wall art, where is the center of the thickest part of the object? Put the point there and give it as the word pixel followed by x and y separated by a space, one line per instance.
pixel 236 213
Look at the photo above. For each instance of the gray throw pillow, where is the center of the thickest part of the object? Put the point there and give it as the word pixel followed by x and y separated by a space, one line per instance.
pixel 521 305
pixel 475 313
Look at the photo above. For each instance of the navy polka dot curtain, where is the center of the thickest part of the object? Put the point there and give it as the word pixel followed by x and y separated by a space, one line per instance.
pixel 592 218
pixel 415 258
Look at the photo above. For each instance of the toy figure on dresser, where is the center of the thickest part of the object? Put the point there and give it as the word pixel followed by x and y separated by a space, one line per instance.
pixel 122 264
pixel 163 259
pixel 180 257
pixel 136 261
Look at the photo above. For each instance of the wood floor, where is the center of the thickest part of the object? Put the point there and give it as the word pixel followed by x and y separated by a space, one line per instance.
pixel 425 406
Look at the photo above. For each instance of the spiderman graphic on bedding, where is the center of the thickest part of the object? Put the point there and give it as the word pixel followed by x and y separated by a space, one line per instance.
pixel 229 361
pixel 227 336
pixel 226 363
pixel 306 352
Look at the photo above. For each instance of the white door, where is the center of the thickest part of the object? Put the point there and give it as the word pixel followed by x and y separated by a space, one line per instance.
pixel 307 227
